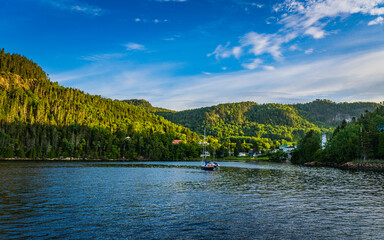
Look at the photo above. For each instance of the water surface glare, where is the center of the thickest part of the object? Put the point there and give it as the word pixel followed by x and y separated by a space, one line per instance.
pixel 177 200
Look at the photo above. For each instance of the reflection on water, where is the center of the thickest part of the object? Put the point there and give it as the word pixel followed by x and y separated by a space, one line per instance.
pixel 167 200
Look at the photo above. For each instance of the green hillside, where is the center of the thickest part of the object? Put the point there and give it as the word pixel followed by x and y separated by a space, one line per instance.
pixel 39 118
pixel 329 114
pixel 361 139
pixel 267 123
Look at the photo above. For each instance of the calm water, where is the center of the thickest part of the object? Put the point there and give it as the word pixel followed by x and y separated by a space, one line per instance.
pixel 169 200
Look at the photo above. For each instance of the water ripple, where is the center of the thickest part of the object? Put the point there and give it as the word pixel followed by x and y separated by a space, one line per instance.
pixel 176 200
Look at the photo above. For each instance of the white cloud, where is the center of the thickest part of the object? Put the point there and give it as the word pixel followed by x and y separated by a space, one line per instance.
pixel 262 43
pixel 315 32
pixel 308 51
pixel 222 51
pixel 75 6
pixel 293 83
pixel 137 20
pixel 255 44
pixel 236 51
pixel 134 46
pixel 294 47
pixel 252 65
pixel 306 14
pixel 120 79
pixel 378 20
pixel 271 20
pixel 102 57
pixel 362 81
pixel 299 18
pixel 80 74
pixel 269 68
pixel 257 5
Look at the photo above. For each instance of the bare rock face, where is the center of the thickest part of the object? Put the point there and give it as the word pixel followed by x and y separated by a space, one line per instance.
pixel 340 117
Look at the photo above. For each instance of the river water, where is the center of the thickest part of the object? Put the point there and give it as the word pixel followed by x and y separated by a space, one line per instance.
pixel 177 200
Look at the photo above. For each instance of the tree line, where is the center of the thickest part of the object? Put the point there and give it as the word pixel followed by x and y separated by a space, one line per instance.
pixel 41 119
pixel 361 139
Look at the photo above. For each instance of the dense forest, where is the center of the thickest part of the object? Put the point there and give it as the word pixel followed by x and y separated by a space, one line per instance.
pixel 361 139
pixel 267 124
pixel 40 119
pixel 329 114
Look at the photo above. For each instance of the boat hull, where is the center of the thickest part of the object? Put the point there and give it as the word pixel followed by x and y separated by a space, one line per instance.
pixel 208 168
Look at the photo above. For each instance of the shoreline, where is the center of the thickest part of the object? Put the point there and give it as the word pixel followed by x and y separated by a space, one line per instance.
pixel 360 166
pixel 363 166
pixel 70 159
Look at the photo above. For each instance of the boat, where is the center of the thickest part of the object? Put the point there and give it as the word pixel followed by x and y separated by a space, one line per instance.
pixel 207 165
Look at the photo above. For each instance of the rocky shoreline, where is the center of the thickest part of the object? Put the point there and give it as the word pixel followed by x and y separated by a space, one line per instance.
pixel 366 166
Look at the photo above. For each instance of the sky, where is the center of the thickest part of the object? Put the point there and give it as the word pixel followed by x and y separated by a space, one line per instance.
pixel 184 54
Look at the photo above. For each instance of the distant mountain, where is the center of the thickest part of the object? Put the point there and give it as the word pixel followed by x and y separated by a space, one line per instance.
pixel 269 121
pixel 39 118
pixel 327 113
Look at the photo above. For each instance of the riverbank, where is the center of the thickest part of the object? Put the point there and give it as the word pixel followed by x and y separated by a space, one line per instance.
pixel 357 165
pixel 227 159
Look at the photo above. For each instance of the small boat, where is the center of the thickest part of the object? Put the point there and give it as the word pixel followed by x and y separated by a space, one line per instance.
pixel 207 165
pixel 210 166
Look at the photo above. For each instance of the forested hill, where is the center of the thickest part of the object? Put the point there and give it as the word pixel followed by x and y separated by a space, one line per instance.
pixel 40 118
pixel 327 113
pixel 269 121
pixel 363 138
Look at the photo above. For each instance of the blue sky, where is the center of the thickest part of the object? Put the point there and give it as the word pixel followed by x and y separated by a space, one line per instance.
pixel 182 54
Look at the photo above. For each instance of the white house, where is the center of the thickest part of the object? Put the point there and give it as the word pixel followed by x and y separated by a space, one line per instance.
pixel 288 149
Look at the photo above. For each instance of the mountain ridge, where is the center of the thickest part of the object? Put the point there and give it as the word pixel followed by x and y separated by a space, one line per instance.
pixel 320 114
pixel 40 119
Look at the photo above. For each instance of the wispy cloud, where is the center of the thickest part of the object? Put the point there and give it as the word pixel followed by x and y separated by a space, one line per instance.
pixel 299 19
pixel 303 82
pixel 269 68
pixel 253 65
pixel 315 32
pixel 293 83
pixel 308 51
pixel 102 57
pixel 75 6
pixel 378 20
pixel 121 79
pixel 146 20
pixel 134 46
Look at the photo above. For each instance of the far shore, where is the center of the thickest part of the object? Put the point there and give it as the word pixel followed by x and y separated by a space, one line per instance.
pixel 370 165
pixel 355 165
pixel 68 159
